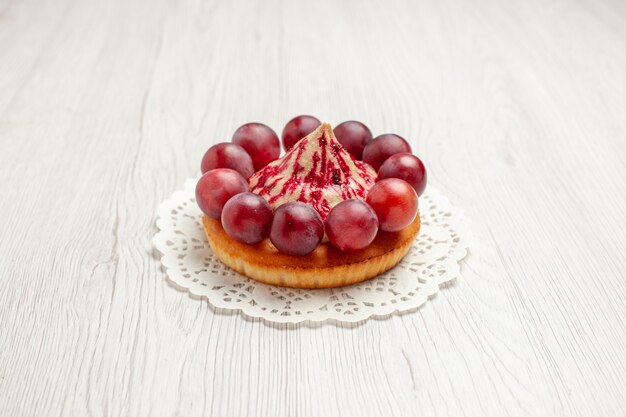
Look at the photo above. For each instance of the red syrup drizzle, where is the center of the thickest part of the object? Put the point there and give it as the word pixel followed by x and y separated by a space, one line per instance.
pixel 331 167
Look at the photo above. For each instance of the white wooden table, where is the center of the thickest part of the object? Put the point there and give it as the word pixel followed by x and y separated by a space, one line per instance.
pixel 518 109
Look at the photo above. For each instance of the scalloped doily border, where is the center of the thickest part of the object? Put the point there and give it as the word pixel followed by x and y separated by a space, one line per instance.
pixel 194 287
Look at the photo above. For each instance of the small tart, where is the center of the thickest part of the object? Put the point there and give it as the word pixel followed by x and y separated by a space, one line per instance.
pixel 325 267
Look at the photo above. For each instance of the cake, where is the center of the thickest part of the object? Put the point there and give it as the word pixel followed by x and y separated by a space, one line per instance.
pixel 314 218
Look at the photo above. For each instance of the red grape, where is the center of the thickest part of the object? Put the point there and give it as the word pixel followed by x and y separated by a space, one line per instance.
pixel 260 141
pixel 395 203
pixel 351 225
pixel 407 167
pixel 353 136
pixel 297 229
pixel 382 147
pixel 247 218
pixel 297 128
pixel 216 187
pixel 228 155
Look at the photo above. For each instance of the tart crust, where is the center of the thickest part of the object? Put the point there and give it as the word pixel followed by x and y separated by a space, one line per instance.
pixel 325 267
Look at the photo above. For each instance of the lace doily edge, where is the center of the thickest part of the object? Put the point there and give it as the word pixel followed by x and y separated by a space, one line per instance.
pixel 193 288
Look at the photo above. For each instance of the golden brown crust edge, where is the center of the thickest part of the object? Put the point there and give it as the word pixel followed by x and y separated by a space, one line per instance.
pixel 325 267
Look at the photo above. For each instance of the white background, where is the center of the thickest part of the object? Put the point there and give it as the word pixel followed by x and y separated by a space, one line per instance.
pixel 518 109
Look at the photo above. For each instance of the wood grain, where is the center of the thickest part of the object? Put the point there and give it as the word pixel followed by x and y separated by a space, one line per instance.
pixel 518 109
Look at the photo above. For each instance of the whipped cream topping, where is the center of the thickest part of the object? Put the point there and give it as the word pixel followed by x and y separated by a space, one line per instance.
pixel 317 171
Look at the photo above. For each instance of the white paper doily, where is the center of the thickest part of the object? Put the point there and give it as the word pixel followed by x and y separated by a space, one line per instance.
pixel 432 260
